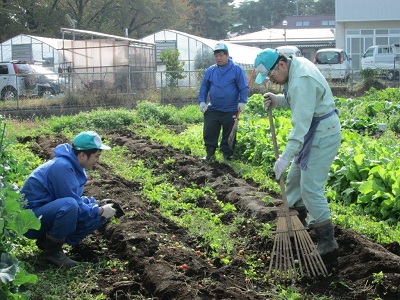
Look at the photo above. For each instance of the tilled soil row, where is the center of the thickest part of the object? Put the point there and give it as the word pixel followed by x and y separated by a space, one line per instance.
pixel 167 262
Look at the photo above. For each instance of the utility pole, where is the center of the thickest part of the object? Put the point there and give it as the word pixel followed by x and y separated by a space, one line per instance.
pixel 284 24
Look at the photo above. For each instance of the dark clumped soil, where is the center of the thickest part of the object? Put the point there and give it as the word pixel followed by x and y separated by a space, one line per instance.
pixel 166 262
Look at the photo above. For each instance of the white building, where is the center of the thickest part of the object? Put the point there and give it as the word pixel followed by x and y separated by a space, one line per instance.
pixel 359 25
pixel 308 40
pixel 364 23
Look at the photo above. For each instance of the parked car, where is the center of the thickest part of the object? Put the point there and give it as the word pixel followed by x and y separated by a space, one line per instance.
pixel 49 82
pixel 383 57
pixel 333 63
pixel 292 51
pixel 17 78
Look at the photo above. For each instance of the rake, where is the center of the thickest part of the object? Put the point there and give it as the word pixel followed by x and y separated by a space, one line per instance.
pixel 232 135
pixel 290 263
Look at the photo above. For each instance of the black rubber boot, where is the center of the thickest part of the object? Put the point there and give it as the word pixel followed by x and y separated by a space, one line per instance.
pixel 302 210
pixel 327 245
pixel 41 243
pixel 210 157
pixel 228 157
pixel 54 253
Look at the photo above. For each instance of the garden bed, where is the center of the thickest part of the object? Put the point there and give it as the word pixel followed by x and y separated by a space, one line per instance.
pixel 165 261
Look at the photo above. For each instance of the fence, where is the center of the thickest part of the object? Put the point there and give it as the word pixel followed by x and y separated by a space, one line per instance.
pixel 140 85
pixel 128 82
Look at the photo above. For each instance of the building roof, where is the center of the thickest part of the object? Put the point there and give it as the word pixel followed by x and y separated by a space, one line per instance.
pixel 92 34
pixel 273 37
pixel 52 42
pixel 317 21
pixel 57 43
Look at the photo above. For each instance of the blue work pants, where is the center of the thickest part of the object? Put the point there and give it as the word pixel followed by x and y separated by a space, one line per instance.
pixel 59 219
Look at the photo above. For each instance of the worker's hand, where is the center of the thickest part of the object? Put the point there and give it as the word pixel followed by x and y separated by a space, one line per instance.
pixel 119 212
pixel 270 101
pixel 203 107
pixel 108 211
pixel 241 106
pixel 280 166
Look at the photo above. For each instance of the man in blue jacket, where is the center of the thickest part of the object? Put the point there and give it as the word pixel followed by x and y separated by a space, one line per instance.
pixel 54 193
pixel 226 84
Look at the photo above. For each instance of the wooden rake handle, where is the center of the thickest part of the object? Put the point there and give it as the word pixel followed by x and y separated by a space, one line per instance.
pixel 281 181
pixel 232 135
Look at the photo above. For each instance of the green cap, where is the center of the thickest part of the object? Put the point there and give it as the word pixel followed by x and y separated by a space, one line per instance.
pixel 88 140
pixel 267 58
pixel 220 46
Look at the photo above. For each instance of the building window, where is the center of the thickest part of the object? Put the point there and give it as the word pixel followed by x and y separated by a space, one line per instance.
pixel 382 31
pixel 353 32
pixel 303 24
pixel 328 23
pixel 367 32
pixel 382 40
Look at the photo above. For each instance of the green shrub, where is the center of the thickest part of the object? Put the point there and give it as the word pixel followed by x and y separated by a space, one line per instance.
pixel 368 73
pixel 152 113
pixel 394 123
pixel 14 222
pixel 101 119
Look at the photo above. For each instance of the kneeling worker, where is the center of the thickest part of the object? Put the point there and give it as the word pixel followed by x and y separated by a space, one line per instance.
pixel 54 192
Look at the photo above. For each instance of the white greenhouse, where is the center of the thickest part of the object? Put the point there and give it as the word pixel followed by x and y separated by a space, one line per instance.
pixel 87 58
pixel 196 53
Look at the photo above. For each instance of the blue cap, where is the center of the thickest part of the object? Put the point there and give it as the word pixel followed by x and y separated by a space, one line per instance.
pixel 220 46
pixel 267 58
pixel 88 140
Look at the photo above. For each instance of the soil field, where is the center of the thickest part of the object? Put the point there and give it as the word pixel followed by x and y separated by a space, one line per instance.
pixel 166 262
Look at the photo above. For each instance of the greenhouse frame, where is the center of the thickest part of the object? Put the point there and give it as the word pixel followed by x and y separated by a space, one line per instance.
pixel 87 59
pixel 197 53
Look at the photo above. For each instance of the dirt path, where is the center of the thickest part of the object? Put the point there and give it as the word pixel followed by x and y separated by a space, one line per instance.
pixel 156 249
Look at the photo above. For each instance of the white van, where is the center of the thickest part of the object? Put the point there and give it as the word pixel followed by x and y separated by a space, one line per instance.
pixel 17 79
pixel 289 51
pixel 385 57
pixel 333 63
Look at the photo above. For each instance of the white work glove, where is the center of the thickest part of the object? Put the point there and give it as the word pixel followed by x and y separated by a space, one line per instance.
pixel 241 106
pixel 108 211
pixel 203 107
pixel 280 166
pixel 270 101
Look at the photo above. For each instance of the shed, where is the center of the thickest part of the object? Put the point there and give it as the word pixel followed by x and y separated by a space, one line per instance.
pixel 103 60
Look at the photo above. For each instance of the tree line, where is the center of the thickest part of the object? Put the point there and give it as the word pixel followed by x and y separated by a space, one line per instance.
pixel 139 18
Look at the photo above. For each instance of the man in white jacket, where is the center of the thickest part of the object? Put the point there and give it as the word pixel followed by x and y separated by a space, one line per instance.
pixel 313 141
